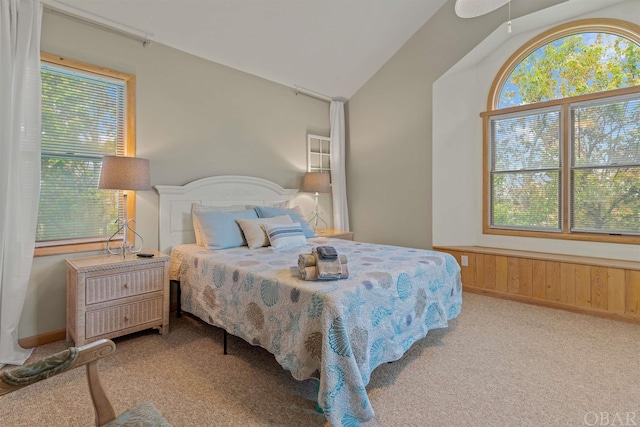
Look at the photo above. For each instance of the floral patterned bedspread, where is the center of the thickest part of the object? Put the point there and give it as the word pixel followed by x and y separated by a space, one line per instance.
pixel 335 331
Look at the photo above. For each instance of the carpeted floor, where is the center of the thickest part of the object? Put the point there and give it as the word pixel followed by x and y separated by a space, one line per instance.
pixel 501 363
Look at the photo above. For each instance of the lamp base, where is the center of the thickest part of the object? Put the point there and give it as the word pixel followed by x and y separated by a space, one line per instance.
pixel 124 229
pixel 316 216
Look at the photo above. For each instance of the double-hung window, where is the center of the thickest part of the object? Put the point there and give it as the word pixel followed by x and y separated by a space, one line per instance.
pixel 562 136
pixel 87 113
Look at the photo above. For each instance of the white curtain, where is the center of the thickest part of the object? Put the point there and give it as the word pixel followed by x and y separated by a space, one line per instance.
pixel 20 94
pixel 338 173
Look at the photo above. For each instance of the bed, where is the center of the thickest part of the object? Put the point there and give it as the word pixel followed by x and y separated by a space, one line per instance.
pixel 336 332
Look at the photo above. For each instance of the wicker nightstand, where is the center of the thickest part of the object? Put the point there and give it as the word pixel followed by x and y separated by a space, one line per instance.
pixel 108 296
pixel 335 234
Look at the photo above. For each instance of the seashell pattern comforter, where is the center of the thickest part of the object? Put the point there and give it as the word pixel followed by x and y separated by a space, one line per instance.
pixel 337 331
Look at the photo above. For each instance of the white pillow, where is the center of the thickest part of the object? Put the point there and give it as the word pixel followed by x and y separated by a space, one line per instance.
pixel 197 207
pixel 285 235
pixel 253 232
pixel 295 214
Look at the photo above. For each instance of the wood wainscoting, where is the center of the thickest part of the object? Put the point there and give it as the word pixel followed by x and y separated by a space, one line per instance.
pixel 597 286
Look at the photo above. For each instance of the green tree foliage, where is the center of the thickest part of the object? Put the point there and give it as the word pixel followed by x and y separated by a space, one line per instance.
pixel 574 65
pixel 605 138
pixel 526 179
pixel 606 175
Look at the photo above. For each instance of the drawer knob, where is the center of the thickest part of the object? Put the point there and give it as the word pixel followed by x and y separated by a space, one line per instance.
pixel 126 319
pixel 126 286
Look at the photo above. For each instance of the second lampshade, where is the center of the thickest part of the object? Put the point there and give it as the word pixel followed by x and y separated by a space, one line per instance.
pixel 316 182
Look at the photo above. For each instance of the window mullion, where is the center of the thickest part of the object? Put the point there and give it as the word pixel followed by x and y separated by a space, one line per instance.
pixel 565 167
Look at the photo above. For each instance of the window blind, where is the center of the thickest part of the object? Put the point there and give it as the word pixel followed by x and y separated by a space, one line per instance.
pixel 83 119
pixel 525 173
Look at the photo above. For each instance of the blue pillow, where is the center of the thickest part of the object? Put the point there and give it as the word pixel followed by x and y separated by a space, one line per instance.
pixel 267 212
pixel 220 229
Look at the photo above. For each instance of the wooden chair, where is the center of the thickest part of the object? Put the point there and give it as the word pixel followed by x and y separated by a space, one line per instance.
pixel 143 414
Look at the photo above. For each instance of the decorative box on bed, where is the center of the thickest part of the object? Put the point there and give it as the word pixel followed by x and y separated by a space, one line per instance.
pixel 337 331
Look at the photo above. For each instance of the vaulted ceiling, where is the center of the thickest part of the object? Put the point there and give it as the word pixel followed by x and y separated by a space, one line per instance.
pixel 329 46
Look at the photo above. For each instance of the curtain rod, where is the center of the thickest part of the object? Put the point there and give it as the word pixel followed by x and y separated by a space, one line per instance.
pixel 79 15
pixel 312 93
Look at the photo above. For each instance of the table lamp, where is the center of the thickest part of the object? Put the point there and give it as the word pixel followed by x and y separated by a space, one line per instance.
pixel 124 173
pixel 316 182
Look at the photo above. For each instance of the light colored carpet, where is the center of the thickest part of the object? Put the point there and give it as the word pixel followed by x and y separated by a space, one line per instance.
pixel 501 363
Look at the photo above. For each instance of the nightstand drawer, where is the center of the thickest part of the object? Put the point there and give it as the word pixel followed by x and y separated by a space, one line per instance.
pixel 116 286
pixel 99 322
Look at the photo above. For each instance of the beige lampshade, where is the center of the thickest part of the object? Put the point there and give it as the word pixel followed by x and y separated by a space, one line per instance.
pixel 124 173
pixel 316 182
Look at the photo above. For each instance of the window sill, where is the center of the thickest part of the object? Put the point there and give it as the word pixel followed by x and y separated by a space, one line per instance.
pixel 69 249
pixel 586 237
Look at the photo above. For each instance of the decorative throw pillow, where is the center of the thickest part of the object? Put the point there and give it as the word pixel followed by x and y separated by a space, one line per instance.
pixel 220 229
pixel 197 207
pixel 295 214
pixel 285 235
pixel 254 234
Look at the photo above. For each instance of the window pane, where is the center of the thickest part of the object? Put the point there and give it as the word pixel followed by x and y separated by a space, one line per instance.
pixel 526 200
pixel 573 65
pixel 81 115
pixel 71 206
pixel 326 163
pixel 607 134
pixel 526 142
pixel 316 162
pixel 606 200
pixel 325 145
pixel 315 145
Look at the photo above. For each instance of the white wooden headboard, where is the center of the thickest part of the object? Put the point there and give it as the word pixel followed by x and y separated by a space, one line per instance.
pixel 176 226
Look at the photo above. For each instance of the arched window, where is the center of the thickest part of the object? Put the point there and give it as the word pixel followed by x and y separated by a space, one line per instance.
pixel 562 139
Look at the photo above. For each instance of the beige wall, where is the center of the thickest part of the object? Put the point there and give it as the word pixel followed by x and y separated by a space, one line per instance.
pixel 195 118
pixel 389 128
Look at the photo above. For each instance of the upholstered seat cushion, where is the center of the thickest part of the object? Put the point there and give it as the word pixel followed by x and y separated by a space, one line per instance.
pixel 142 415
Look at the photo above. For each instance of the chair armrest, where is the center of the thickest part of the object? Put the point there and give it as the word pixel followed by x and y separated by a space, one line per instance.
pixel 54 365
